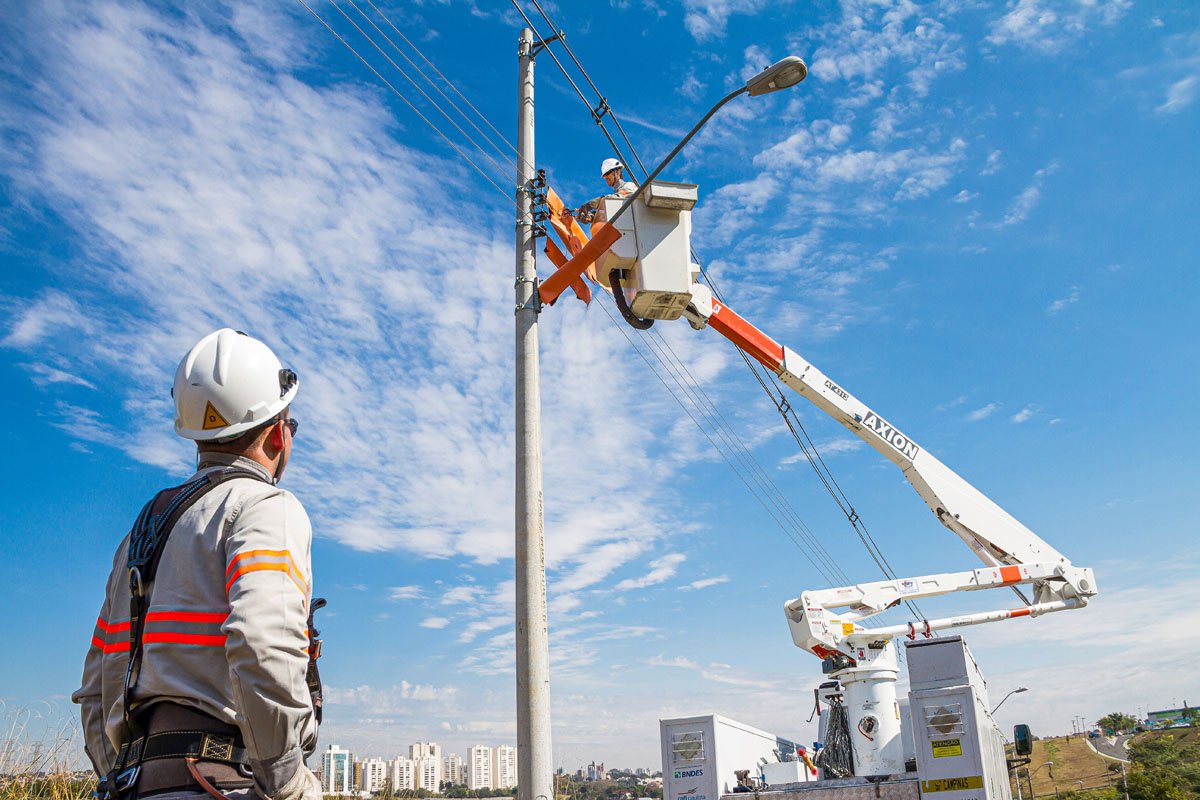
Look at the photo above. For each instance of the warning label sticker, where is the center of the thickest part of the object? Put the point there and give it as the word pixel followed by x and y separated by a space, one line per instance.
pixel 952 784
pixel 946 747
pixel 213 418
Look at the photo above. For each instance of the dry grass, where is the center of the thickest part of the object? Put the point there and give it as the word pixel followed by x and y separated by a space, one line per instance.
pixel 1076 767
pixel 39 755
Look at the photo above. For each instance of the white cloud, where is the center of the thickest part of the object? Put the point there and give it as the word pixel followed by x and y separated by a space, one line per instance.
pixel 44 374
pixel 1024 203
pixel 706 19
pixel 1180 95
pixel 463 594
pixel 404 592
pixel 704 583
pixel 51 315
pixel 964 196
pixel 1071 298
pixel 993 163
pixel 660 570
pixel 983 412
pixel 1024 415
pixel 720 673
pixel 437 623
pixel 1049 25
pixel 827 449
pixel 208 186
pixel 949 404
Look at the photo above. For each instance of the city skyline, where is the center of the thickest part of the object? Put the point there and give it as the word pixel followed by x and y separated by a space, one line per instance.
pixel 424 767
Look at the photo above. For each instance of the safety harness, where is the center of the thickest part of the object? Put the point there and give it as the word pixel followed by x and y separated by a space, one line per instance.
pixel 146 543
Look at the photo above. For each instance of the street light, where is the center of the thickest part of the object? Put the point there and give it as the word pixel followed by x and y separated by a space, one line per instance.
pixel 1029 777
pixel 783 74
pixel 1018 690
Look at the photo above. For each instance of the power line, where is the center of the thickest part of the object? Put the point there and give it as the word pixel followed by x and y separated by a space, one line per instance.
pixel 406 101
pixel 416 86
pixel 452 86
pixel 808 448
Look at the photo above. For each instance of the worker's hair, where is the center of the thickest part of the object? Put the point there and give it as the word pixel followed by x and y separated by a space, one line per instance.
pixel 240 443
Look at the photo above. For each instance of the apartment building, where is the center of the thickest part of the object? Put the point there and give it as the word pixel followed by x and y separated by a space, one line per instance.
pixel 504 767
pixel 479 767
pixel 373 775
pixel 337 771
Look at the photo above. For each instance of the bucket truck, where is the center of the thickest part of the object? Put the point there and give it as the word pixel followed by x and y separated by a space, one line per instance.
pixel 645 261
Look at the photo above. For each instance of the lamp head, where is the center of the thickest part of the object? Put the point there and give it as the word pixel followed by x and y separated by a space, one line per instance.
pixel 783 74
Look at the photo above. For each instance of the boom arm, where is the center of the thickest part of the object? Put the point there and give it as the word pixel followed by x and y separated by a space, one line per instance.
pixel 1012 553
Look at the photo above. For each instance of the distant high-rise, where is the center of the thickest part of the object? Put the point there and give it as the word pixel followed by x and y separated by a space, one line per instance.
pixel 454 770
pixel 337 771
pixel 429 772
pixel 424 750
pixel 479 767
pixel 504 767
pixel 374 775
pixel 403 774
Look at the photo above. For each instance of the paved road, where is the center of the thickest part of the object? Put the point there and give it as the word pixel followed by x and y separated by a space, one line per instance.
pixel 1113 748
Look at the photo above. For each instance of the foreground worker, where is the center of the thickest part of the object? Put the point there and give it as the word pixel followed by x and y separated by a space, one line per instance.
pixel 195 683
pixel 612 171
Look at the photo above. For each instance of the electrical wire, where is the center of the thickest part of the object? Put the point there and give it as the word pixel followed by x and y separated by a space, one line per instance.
pixel 453 87
pixel 808 447
pixel 732 449
pixel 409 78
pixel 407 102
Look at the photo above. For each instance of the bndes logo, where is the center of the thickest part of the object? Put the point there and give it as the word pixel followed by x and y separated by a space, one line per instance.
pixel 689 773
pixel 890 435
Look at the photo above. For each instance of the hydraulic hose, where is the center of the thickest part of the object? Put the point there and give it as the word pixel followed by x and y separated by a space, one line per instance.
pixel 614 280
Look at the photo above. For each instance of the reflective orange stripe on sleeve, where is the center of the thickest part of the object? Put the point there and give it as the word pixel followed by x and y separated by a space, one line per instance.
pixel 287 567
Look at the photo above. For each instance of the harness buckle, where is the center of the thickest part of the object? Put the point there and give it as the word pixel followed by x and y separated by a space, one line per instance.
pixel 114 785
pixel 216 748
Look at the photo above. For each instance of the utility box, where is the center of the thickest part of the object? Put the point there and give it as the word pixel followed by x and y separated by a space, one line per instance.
pixel 654 249
pixel 960 751
pixel 701 754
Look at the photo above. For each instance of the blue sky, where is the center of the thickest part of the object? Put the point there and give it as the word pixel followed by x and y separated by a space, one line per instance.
pixel 979 218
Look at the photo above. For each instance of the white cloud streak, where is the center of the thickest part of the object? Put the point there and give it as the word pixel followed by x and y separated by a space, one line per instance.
pixel 983 412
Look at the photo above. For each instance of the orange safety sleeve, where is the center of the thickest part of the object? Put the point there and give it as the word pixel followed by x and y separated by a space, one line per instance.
pixel 567 228
pixel 552 287
pixel 558 259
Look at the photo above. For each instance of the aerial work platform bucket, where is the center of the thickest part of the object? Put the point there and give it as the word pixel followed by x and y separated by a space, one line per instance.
pixel 654 250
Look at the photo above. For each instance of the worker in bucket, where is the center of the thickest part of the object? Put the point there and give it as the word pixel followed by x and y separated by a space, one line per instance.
pixel 199 678
pixel 612 171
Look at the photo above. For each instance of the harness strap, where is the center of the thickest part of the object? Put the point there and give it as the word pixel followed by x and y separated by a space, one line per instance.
pixel 147 542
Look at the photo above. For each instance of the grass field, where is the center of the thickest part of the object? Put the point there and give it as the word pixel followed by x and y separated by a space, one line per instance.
pixel 1076 767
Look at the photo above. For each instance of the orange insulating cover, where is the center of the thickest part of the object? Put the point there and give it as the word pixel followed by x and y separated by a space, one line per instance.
pixel 552 287
pixel 555 255
pixel 567 228
pixel 747 337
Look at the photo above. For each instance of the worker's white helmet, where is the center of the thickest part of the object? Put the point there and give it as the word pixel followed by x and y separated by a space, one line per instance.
pixel 227 384
pixel 609 165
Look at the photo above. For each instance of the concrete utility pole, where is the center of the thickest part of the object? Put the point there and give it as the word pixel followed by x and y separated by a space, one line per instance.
pixel 535 771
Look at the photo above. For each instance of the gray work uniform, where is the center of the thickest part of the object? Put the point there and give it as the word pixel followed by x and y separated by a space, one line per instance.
pixel 226 629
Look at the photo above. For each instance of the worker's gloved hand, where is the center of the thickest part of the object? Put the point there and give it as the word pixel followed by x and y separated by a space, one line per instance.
pixel 304 785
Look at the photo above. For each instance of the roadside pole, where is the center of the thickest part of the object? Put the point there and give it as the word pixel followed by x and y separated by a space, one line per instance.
pixel 535 771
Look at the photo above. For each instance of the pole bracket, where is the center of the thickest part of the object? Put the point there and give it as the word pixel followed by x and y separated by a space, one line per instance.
pixel 541 44
pixel 535 300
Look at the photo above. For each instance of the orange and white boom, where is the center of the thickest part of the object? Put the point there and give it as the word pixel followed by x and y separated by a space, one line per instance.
pixel 1012 553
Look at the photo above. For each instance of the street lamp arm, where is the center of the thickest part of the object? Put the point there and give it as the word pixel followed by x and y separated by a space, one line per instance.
pixel 670 156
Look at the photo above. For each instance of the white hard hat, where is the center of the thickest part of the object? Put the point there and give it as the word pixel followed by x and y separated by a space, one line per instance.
pixel 227 384
pixel 609 165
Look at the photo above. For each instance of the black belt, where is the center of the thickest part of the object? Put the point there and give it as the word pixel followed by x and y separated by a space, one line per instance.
pixel 176 733
pixel 201 745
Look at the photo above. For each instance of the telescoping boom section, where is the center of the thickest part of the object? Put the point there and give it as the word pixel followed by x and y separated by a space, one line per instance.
pixel 825 622
pixel 644 257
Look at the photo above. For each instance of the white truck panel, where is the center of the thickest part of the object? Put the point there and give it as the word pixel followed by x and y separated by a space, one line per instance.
pixel 701 754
